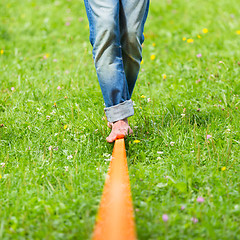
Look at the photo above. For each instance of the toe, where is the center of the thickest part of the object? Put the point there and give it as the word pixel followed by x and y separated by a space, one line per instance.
pixel 111 138
pixel 109 124
pixel 130 131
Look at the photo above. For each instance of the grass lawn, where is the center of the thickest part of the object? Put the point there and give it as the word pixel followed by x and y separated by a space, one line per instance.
pixel 184 155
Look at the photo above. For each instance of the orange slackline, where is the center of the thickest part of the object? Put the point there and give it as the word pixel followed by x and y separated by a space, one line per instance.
pixel 115 219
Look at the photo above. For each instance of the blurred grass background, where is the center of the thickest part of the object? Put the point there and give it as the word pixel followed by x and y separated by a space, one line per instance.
pixel 53 153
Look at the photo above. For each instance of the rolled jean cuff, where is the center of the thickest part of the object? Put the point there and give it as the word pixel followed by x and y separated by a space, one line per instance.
pixel 119 111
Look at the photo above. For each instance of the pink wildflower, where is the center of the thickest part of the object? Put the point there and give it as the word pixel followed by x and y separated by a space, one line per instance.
pixel 165 217
pixel 199 55
pixel 209 136
pixel 194 220
pixel 200 199
pixel 182 207
pixel 198 81
pixel 2 164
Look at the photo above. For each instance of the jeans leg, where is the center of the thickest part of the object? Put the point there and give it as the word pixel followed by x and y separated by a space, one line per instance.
pixel 133 15
pixel 103 16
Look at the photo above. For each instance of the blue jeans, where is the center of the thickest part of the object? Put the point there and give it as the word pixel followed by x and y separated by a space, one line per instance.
pixel 116 34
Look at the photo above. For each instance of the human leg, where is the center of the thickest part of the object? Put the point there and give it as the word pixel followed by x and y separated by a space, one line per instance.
pixel 133 15
pixel 103 16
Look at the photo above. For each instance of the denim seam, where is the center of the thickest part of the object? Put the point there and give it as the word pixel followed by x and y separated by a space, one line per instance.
pixel 91 20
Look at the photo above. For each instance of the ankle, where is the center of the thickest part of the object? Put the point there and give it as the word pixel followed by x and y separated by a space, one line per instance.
pixel 125 120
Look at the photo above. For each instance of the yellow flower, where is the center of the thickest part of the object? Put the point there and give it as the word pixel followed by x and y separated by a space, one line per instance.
pixel 205 30
pixel 154 44
pixel 199 36
pixel 2 51
pixel 0 176
pixel 238 32
pixel 164 76
pixel 153 57
pixel 143 96
pixel 46 56
pixel 136 141
pixel 190 40
pixel 140 107
pixel 184 39
pixel 224 168
pixel 65 127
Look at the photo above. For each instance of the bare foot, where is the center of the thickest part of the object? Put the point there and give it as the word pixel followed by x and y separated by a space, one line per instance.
pixel 120 129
